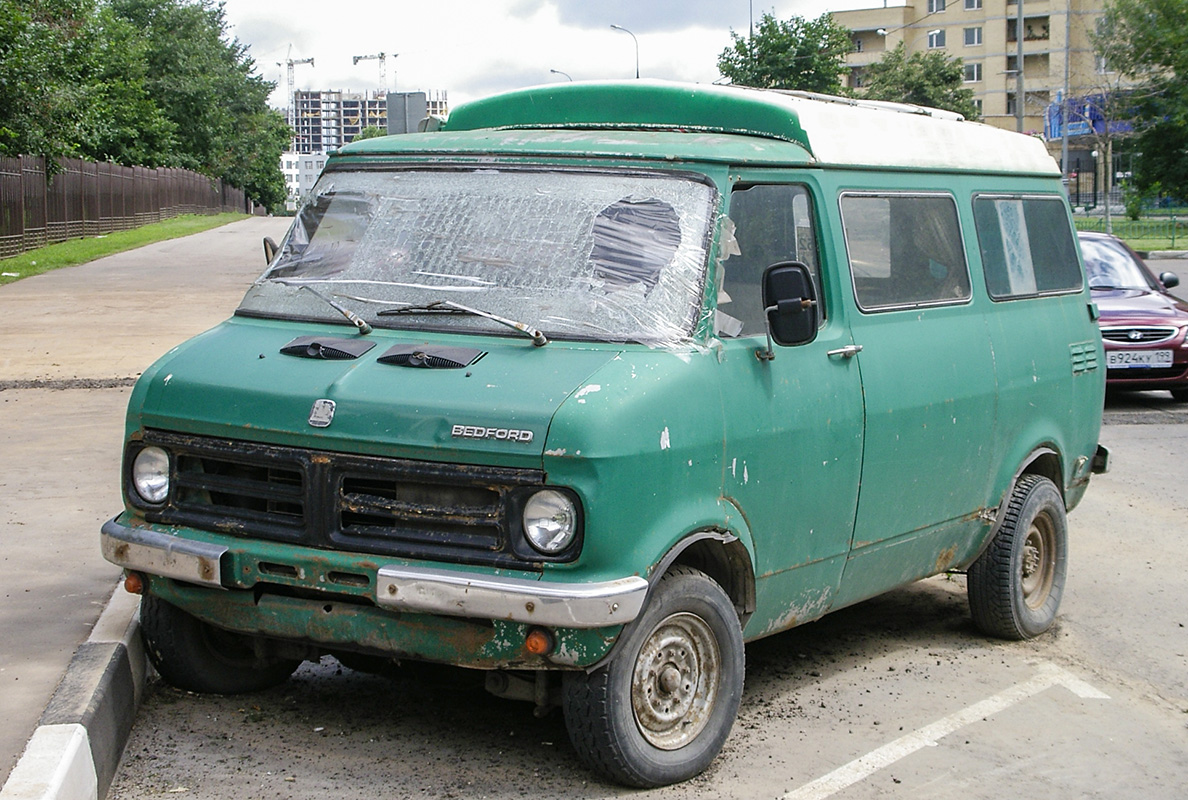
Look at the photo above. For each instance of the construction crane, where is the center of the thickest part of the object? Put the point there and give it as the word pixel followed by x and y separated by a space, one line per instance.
pixel 382 58
pixel 291 63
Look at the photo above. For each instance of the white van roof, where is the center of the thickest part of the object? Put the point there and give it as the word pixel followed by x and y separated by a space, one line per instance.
pixel 836 131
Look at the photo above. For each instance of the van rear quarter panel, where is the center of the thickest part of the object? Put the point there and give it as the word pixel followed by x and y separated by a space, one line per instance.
pixel 1048 360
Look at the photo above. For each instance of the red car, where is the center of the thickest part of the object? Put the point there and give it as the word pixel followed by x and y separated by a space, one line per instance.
pixel 1143 326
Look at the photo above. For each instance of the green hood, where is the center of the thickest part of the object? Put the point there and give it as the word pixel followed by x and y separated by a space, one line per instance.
pixel 233 381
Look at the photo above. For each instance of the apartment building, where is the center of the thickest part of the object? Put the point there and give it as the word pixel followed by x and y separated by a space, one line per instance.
pixel 301 170
pixel 325 120
pixel 984 34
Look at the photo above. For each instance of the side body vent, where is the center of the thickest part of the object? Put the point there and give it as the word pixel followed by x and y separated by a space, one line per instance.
pixel 327 348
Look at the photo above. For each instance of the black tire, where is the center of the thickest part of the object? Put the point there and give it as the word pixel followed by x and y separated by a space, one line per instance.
pixel 198 657
pixel 661 710
pixel 1015 586
pixel 1180 395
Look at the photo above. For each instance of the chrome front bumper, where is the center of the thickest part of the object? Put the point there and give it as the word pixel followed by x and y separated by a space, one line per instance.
pixel 162 554
pixel 420 590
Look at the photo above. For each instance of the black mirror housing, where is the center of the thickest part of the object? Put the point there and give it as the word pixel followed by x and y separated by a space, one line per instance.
pixel 270 248
pixel 1170 280
pixel 790 303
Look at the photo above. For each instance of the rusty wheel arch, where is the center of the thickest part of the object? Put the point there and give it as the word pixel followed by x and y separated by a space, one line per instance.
pixel 720 555
pixel 1044 462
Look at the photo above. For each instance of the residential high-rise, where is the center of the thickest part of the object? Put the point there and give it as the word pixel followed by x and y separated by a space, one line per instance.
pixel 325 120
pixel 984 35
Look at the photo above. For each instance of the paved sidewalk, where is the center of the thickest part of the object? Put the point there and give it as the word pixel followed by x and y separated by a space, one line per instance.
pixel 71 343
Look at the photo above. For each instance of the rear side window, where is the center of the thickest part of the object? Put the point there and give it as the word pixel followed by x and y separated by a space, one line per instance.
pixel 1027 246
pixel 905 250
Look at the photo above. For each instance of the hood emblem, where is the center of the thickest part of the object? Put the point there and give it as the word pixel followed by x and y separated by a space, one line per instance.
pixel 322 413
pixel 1134 335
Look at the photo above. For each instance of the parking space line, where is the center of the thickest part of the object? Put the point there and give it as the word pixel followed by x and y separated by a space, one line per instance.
pixel 1049 675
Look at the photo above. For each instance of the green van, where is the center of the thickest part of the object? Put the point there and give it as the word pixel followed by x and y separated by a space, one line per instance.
pixel 592 384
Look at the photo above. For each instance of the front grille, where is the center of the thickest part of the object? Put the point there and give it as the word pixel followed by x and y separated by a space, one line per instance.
pixel 1144 375
pixel 268 495
pixel 384 506
pixel 1138 334
pixel 429 518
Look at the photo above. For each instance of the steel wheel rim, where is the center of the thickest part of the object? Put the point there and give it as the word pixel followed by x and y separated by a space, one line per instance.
pixel 1038 564
pixel 676 681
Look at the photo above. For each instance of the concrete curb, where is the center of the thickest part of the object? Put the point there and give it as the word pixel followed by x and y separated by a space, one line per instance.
pixel 74 753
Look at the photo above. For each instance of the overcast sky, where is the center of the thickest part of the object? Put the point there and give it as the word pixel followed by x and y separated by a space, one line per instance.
pixel 473 48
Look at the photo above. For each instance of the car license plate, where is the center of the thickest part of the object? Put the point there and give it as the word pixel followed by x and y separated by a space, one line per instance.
pixel 1131 359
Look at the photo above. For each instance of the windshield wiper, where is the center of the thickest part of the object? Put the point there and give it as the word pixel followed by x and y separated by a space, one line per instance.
pixel 356 320
pixel 450 307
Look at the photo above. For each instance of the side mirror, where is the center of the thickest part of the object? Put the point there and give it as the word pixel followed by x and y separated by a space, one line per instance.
pixel 1170 280
pixel 789 305
pixel 270 248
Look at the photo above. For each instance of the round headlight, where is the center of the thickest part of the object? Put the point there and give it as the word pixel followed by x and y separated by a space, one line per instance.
pixel 550 521
pixel 150 474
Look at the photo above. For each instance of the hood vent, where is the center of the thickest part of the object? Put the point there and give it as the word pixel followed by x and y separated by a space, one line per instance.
pixel 327 348
pixel 429 356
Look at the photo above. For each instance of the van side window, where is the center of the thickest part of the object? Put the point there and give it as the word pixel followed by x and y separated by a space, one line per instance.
pixel 905 250
pixel 772 223
pixel 1027 246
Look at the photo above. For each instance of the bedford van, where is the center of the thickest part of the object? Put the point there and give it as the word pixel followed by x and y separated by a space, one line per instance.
pixel 590 385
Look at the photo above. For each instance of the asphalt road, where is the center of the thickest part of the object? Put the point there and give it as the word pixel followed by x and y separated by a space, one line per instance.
pixel 71 343
pixel 896 697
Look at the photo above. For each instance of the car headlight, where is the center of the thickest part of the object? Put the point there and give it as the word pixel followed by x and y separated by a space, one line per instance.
pixel 550 521
pixel 150 475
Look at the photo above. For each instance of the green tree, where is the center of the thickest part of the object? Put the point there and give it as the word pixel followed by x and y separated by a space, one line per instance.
pixel 924 79
pixel 123 123
pixel 41 108
pixel 72 84
pixel 205 82
pixel 1146 41
pixel 137 82
pixel 806 55
pixel 370 132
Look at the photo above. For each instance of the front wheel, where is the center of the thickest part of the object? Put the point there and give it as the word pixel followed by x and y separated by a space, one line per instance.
pixel 1015 586
pixel 661 710
pixel 198 657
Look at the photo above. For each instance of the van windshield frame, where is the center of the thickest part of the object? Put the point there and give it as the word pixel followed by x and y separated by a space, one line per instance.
pixel 594 255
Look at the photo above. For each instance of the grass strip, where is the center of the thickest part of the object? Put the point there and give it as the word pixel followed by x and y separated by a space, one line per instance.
pixel 80 251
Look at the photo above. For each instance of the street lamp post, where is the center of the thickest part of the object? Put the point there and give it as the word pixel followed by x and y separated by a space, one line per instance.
pixel 1019 96
pixel 632 35
pixel 559 72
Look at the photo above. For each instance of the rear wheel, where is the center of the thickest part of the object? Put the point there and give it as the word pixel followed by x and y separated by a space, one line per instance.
pixel 1180 395
pixel 661 710
pixel 198 657
pixel 1015 586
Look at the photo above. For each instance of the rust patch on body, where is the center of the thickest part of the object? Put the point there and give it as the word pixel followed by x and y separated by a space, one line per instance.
pixel 945 559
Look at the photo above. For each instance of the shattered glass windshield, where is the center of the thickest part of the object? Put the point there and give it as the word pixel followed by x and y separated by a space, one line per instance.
pixel 605 256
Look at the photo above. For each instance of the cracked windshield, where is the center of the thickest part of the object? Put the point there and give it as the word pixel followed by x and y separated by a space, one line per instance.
pixel 604 256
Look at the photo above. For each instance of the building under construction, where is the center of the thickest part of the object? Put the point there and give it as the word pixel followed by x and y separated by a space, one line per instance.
pixel 326 120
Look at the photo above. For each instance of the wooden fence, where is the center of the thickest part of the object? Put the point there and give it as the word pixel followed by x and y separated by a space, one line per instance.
pixel 93 199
